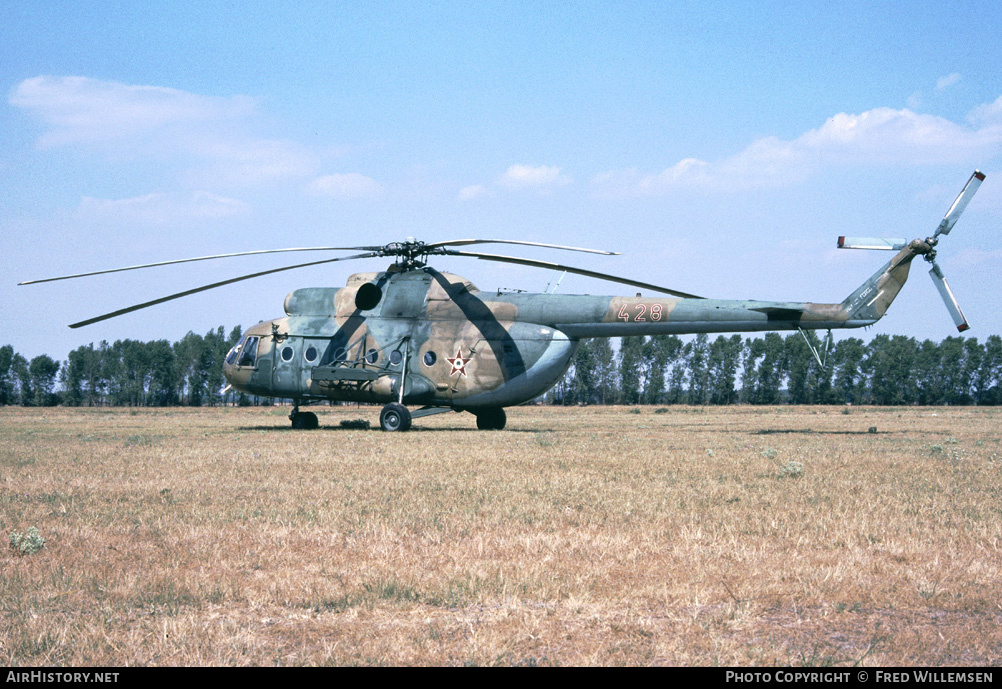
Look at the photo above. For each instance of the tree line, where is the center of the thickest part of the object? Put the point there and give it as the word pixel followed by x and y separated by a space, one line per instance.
pixel 660 370
pixel 128 373
pixel 772 369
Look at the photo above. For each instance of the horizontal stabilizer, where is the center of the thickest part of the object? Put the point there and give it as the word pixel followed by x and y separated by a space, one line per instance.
pixel 884 243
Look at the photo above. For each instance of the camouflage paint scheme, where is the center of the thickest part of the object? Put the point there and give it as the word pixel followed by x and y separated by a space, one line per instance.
pixel 413 335
pixel 469 350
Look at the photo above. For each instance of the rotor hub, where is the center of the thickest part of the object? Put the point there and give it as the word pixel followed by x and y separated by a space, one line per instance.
pixel 925 248
pixel 410 252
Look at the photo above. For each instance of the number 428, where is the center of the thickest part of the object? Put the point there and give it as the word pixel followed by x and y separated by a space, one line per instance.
pixel 640 312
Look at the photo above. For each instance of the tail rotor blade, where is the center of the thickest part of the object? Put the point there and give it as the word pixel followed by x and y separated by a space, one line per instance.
pixel 951 301
pixel 950 219
pixel 882 243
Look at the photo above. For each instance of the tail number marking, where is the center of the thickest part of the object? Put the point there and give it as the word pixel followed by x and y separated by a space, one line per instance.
pixel 640 311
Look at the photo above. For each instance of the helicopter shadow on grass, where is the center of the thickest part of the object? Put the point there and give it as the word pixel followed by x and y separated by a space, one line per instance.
pixel 375 428
pixel 811 431
pixel 699 428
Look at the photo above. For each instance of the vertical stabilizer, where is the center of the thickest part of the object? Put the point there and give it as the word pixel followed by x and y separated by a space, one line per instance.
pixel 871 300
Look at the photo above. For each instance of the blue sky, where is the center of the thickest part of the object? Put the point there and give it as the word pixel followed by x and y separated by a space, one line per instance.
pixel 721 147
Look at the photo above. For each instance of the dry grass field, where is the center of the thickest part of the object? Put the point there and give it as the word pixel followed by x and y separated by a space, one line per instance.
pixel 592 536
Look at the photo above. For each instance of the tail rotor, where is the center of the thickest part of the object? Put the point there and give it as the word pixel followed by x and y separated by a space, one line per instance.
pixel 927 248
pixel 936 273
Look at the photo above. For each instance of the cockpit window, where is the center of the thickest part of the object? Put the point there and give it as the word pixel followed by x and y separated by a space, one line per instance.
pixel 248 352
pixel 231 355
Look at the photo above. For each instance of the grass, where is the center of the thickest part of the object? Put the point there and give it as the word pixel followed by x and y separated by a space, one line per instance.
pixel 584 536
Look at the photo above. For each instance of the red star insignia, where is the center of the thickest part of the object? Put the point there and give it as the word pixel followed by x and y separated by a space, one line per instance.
pixel 458 362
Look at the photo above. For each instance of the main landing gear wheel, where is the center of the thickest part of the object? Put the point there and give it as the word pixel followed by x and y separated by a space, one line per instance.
pixel 395 417
pixel 491 419
pixel 304 421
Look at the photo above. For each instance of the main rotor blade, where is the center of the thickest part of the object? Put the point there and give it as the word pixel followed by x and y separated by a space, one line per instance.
pixel 203 288
pixel 204 258
pixel 951 301
pixel 950 219
pixel 467 242
pixel 569 269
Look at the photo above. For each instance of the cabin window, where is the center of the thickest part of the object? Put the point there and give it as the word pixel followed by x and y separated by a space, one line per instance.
pixel 396 357
pixel 287 353
pixel 340 354
pixel 372 356
pixel 430 358
pixel 248 352
pixel 311 354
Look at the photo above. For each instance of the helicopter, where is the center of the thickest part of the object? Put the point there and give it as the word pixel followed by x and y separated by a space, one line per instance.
pixel 413 336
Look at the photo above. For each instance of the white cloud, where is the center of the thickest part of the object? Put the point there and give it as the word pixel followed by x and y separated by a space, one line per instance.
pixel 474 191
pixel 884 135
pixel 346 186
pixel 987 114
pixel 254 161
pixel 528 177
pixel 947 81
pixel 82 110
pixel 208 205
pixel 212 134
pixel 542 179
pixel 875 137
pixel 161 208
